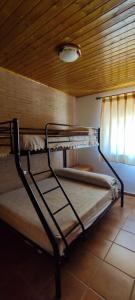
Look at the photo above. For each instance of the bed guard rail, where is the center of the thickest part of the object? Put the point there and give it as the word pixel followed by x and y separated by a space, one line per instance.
pixel 6 135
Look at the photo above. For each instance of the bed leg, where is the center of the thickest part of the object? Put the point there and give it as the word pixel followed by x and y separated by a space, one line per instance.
pixel 58 278
pixel 122 195
pixel 122 200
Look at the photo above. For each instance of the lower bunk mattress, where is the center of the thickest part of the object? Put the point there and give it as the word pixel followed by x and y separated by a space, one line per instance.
pixel 89 201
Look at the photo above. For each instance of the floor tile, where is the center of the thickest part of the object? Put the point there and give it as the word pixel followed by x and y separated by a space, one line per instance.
pixel 129 225
pixel 111 283
pixel 92 295
pixel 126 239
pixel 114 219
pixel 129 200
pixel 83 265
pixel 72 289
pixel 121 212
pixel 108 232
pixel 132 215
pixel 122 259
pixel 98 246
pixel 133 294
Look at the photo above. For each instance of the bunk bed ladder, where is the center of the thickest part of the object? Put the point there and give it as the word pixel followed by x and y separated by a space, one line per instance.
pixel 43 194
pixel 64 193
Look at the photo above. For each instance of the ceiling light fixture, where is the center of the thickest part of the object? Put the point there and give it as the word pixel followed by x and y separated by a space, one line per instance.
pixel 69 52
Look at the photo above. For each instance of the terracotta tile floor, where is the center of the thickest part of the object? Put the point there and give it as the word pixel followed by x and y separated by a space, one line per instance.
pixel 102 267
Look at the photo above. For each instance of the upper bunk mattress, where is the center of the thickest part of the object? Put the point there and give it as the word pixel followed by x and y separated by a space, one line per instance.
pixel 56 140
pixel 89 201
pixel 37 142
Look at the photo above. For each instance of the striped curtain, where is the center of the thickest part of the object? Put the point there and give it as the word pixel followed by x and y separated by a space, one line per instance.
pixel 118 128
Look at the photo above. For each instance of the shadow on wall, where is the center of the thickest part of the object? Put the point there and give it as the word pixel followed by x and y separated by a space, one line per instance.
pixel 9 179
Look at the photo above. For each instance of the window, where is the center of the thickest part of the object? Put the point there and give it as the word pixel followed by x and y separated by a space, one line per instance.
pixel 118 128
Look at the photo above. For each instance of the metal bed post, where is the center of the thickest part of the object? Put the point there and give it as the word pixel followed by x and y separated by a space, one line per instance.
pixel 34 201
pixel 112 169
pixel 8 134
pixel 64 158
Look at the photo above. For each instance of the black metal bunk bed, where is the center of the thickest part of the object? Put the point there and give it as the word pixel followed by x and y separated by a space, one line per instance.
pixel 10 137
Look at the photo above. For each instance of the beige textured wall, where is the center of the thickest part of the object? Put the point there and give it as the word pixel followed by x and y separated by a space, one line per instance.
pixel 34 104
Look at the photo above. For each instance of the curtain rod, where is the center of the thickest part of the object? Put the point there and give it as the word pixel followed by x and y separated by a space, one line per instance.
pixel 99 98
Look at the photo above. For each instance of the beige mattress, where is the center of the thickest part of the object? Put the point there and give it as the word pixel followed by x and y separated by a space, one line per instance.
pixel 37 142
pixel 66 139
pixel 89 201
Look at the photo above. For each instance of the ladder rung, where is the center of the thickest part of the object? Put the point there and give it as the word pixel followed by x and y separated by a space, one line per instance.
pixel 51 190
pixel 71 229
pixel 60 209
pixel 38 173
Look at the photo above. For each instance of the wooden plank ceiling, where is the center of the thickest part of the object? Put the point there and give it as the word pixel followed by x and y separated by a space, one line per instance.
pixel 104 29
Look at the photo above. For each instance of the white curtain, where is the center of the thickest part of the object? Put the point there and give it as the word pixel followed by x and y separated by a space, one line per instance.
pixel 118 128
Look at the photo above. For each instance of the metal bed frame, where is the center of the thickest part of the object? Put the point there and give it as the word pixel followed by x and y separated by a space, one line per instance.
pixel 10 131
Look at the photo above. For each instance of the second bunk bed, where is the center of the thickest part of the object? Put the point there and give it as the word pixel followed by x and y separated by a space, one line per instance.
pixel 54 211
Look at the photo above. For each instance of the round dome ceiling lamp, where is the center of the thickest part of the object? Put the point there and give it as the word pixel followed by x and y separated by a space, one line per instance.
pixel 69 52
